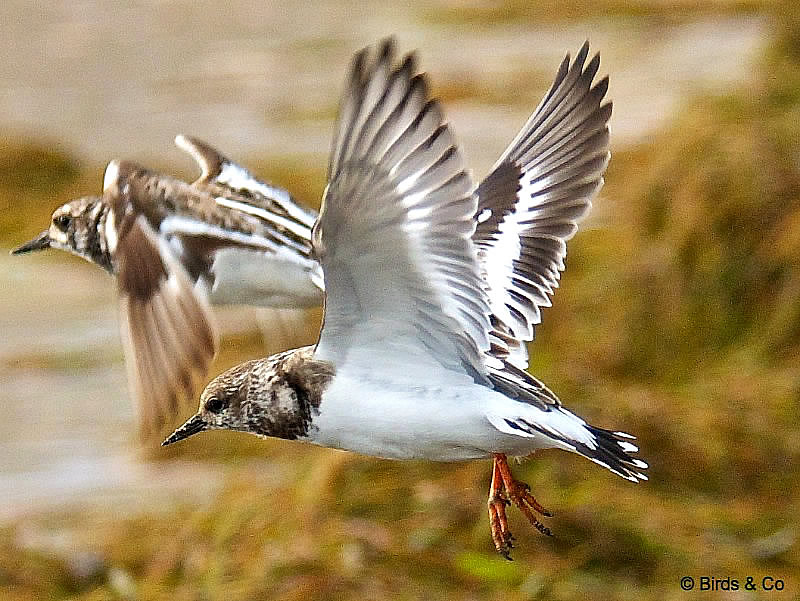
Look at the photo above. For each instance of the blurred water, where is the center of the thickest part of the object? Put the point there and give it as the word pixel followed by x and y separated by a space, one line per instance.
pixel 67 434
pixel 120 79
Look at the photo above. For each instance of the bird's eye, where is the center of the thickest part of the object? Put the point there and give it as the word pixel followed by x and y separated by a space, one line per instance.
pixel 215 404
pixel 62 222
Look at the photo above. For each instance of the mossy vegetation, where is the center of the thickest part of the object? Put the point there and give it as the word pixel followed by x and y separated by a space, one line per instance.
pixel 678 320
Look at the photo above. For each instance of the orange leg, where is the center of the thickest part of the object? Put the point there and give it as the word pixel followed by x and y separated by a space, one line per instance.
pixel 504 491
pixel 498 523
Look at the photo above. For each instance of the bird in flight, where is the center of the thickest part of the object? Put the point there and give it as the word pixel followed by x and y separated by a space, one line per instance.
pixel 230 238
pixel 174 248
pixel 432 286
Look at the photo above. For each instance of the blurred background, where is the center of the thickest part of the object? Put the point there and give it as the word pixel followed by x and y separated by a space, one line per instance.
pixel 678 319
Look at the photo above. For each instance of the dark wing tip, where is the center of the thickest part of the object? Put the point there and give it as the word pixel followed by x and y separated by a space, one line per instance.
pixel 357 65
pixel 580 58
pixel 591 69
pixel 387 50
pixel 600 88
pixel 409 64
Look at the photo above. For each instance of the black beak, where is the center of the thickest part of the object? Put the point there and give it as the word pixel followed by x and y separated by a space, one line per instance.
pixel 192 426
pixel 40 242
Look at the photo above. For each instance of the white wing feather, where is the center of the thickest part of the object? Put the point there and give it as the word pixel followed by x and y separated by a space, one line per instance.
pixel 537 193
pixel 394 233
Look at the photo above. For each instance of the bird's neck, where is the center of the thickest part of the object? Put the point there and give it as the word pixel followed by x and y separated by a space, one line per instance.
pixel 286 394
pixel 96 244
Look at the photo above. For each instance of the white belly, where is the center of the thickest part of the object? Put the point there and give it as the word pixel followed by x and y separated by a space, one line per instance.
pixel 281 279
pixel 442 421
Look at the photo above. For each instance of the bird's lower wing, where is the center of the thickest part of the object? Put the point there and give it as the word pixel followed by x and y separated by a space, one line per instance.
pixel 167 328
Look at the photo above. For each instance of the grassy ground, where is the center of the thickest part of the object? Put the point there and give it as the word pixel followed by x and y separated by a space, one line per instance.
pixel 678 321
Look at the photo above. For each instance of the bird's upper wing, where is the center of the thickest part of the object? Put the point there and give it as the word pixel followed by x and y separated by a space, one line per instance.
pixel 168 330
pixel 280 221
pixel 531 202
pixel 172 245
pixel 231 181
pixel 394 233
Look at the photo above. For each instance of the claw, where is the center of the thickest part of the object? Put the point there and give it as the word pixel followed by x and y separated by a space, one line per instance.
pixel 534 504
pixel 498 498
pixel 505 491
pixel 498 522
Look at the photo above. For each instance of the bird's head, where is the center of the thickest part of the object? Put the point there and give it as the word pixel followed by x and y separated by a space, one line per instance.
pixel 275 397
pixel 75 227
pixel 224 405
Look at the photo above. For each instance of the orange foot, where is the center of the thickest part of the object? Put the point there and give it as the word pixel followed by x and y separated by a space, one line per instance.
pixel 503 492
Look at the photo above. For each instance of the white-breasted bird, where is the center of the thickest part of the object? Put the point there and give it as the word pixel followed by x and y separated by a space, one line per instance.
pixel 174 248
pixel 230 238
pixel 431 286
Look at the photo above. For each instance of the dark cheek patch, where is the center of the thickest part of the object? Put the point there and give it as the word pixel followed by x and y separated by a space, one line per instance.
pixel 287 415
pixel 301 383
pixel 288 424
pixel 141 270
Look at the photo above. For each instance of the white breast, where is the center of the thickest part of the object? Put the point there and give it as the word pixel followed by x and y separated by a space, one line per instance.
pixel 279 279
pixel 439 419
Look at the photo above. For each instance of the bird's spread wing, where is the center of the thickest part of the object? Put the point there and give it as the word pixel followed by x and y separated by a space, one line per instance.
pixel 281 224
pixel 532 201
pixel 168 330
pixel 394 233
pixel 235 183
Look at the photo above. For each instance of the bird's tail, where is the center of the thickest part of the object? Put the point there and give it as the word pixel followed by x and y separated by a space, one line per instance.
pixel 615 451
pixel 554 426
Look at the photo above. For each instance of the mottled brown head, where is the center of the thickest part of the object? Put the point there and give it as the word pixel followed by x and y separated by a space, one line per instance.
pixel 77 227
pixel 274 397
